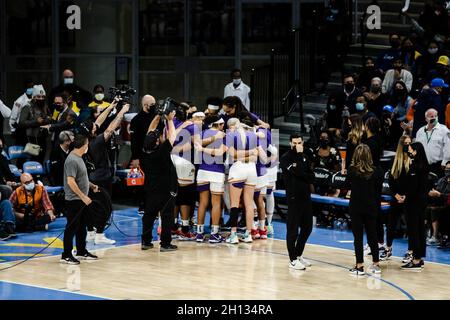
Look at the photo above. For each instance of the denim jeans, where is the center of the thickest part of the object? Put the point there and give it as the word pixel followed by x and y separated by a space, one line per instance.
pixel 6 212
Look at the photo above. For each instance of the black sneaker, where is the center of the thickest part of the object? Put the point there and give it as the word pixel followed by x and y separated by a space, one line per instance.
pixel 445 244
pixel 87 256
pixel 9 228
pixel 407 258
pixel 4 235
pixel 170 247
pixel 411 266
pixel 147 246
pixel 357 271
pixel 386 254
pixel 69 260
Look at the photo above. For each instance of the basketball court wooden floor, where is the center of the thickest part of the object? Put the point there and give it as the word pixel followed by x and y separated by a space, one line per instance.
pixel 220 271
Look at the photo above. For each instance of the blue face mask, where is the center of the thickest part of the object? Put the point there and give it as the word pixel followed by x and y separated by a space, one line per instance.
pixel 30 186
pixel 334 11
pixel 29 91
pixel 360 106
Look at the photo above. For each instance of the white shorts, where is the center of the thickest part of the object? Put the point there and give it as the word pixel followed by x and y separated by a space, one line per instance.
pixel 261 184
pixel 185 170
pixel 215 180
pixel 272 174
pixel 241 172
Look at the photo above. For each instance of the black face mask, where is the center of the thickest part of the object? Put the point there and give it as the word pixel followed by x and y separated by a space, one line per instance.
pixel 405 149
pixel 447 173
pixel 399 92
pixel 71 146
pixel 323 143
pixel 58 107
pixel 349 87
pixel 395 44
pixel 411 155
pixel 40 103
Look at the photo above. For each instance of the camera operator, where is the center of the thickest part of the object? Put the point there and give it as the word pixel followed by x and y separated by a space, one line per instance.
pixel 160 182
pixel 32 206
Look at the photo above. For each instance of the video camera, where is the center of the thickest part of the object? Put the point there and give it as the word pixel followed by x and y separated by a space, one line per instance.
pixel 168 105
pixel 124 93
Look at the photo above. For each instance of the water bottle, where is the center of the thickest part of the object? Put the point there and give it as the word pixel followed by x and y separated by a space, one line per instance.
pixel 344 225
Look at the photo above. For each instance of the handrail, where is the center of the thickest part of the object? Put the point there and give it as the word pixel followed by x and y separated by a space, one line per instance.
pixel 406 6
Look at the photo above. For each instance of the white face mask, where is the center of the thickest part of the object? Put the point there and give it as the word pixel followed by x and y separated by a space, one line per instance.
pixel 433 50
pixel 30 186
pixel 68 80
pixel 237 81
pixel 99 96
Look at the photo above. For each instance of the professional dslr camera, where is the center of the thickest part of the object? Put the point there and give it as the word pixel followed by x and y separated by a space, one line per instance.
pixel 166 106
pixel 124 94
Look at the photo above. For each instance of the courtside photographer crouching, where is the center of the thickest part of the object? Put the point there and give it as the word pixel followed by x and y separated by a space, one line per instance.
pixel 160 181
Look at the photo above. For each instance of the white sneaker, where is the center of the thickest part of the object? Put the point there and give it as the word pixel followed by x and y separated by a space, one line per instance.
pixel 375 269
pixel 304 262
pixel 247 238
pixel 432 241
pixel 233 239
pixel 297 265
pixel 90 236
pixel 100 238
pixel 367 250
pixel 270 230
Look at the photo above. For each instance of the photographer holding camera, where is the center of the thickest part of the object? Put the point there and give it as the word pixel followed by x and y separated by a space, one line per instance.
pixel 32 206
pixel 160 182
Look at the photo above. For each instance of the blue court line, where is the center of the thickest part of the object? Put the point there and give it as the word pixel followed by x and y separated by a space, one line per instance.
pixel 18 291
pixel 410 297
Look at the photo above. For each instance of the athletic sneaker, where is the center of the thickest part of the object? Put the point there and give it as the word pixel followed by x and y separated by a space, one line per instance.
pixel 158 230
pixel 304 262
pixel 367 250
pixel 4 235
pixel 386 254
pixel 247 238
pixel 87 256
pixel 215 238
pixel 188 236
pixel 100 238
pixel 90 236
pixel 262 234
pixel 432 241
pixel 170 247
pixel 255 234
pixel 411 266
pixel 147 246
pixel 242 225
pixel 296 265
pixel 357 271
pixel 233 239
pixel 408 257
pixel 9 228
pixel 375 269
pixel 270 231
pixel 444 243
pixel 199 237
pixel 69 260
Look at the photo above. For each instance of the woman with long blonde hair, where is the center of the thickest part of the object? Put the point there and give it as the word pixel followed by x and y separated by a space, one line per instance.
pixel 397 184
pixel 354 138
pixel 364 179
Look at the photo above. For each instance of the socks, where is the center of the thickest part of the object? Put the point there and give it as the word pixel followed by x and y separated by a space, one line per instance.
pixel 185 226
pixel 214 229
pixel 262 224
pixel 269 217
pixel 200 228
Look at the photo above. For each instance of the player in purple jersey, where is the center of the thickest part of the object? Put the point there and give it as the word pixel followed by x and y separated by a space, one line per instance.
pixel 243 152
pixel 211 177
pixel 232 107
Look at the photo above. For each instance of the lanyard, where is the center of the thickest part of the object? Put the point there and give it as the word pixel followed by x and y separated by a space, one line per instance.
pixel 429 138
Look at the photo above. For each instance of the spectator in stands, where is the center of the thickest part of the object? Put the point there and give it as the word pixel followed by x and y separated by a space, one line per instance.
pixel 361 109
pixel 434 19
pixel 409 56
pixel 364 179
pixel 428 98
pixel 354 139
pixel 238 88
pixel 447 116
pixel 339 100
pixel 367 74
pixel 18 105
pixel 401 101
pixel 7 219
pixel 427 61
pixel 389 133
pixel 441 70
pixel 6 176
pixel 415 203
pixel 437 206
pixel 326 155
pixel 435 138
pixel 32 206
pixel 397 73
pixel 398 185
pixel 80 96
pixel 99 95
pixel 5 113
pixel 376 99
pixel 387 57
pixel 58 156
pixel 32 117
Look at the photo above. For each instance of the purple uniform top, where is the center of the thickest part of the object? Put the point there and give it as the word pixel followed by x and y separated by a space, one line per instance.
pixel 208 162
pixel 226 117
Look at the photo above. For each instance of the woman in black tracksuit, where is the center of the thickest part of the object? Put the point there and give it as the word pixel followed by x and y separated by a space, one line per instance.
pixel 364 179
pixel 415 203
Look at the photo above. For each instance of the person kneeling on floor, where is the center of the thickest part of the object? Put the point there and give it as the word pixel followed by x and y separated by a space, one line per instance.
pixel 32 206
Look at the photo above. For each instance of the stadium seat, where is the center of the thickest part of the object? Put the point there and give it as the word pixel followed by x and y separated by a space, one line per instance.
pixel 16 152
pixel 15 171
pixel 33 168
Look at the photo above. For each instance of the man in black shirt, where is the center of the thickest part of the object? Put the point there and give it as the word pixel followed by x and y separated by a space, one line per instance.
pixel 160 182
pixel 6 176
pixel 58 156
pixel 298 177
